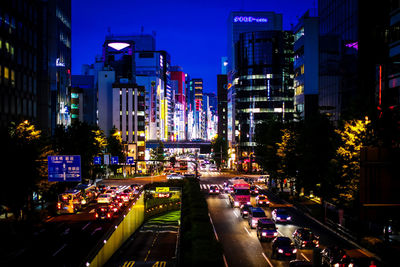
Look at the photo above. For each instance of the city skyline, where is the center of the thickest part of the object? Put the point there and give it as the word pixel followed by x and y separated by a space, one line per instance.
pixel 185 40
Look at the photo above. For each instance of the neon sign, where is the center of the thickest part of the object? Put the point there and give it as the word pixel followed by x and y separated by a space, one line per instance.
pixel 59 63
pixel 249 19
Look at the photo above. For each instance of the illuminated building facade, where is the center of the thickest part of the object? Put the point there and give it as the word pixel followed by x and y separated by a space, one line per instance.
pixel 264 84
pixel 210 105
pixel 190 108
pixel 179 88
pixel 306 68
pixel 152 72
pixel 128 115
pixel 86 96
pixel 198 109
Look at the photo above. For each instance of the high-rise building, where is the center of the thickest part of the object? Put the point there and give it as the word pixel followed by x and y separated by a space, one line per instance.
pixel 210 105
pixel 222 93
pixel 19 58
pixel 224 65
pixel 84 93
pixel 306 68
pixel 264 84
pixel 152 72
pixel 198 109
pixel 128 104
pixel 179 88
pixel 338 30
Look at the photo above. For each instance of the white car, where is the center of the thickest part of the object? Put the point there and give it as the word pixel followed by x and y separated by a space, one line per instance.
pixel 262 178
pixel 104 198
pixel 174 176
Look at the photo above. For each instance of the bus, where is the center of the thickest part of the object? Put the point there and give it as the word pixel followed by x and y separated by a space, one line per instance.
pixel 240 193
pixel 89 193
pixel 70 201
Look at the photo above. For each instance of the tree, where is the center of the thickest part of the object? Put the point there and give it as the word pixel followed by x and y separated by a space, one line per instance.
pixel 115 147
pixel 220 148
pixel 286 152
pixel 268 134
pixel 353 136
pixel 316 149
pixel 81 139
pixel 22 143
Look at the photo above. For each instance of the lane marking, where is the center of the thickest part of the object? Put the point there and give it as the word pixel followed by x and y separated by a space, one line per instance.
pixel 236 213
pixel 215 232
pixel 304 256
pixel 266 258
pixel 280 232
pixel 227 202
pixel 84 227
pixel 226 263
pixel 62 247
pixel 247 231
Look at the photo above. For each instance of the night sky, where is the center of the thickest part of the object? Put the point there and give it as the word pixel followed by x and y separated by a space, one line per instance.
pixel 194 33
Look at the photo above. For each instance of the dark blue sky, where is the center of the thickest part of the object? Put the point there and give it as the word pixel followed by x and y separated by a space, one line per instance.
pixel 193 32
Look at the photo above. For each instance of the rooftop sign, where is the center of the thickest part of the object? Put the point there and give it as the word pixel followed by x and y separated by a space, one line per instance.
pixel 249 19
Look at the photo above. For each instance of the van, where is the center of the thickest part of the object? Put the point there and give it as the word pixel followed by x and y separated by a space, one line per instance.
pixel 255 214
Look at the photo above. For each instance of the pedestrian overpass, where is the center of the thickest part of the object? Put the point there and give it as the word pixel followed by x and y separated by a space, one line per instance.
pixel 203 146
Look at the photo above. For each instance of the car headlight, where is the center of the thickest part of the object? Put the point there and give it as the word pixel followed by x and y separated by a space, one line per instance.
pixel 264 234
pixel 280 250
pixel 275 233
pixel 336 265
pixel 289 218
pixel 278 218
pixel 253 221
pixel 248 202
pixel 236 203
pixel 245 212
pixel 294 251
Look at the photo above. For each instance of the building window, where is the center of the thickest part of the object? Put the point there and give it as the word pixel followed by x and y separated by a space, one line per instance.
pixel 6 74
pixel 12 78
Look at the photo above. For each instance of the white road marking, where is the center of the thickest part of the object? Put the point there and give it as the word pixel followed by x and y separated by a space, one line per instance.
pixel 95 230
pixel 221 186
pixel 304 256
pixel 266 258
pixel 84 227
pixel 226 263
pixel 280 232
pixel 236 213
pixel 215 232
pixel 62 247
pixel 247 231
pixel 227 202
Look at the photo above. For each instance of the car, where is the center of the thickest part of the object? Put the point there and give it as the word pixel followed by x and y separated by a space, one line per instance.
pixel 281 216
pixel 119 202
pixel 115 188
pixel 245 209
pixel 300 263
pixel 102 188
pixel 114 208
pixel 283 247
pixel 104 198
pixel 262 200
pixel 125 197
pixel 253 190
pixel 103 213
pixel 266 229
pixel 254 215
pixel 135 186
pixel 263 178
pixel 305 238
pixel 129 192
pixel 213 190
pixel 334 256
pixel 110 192
pixel 173 176
pixel 213 168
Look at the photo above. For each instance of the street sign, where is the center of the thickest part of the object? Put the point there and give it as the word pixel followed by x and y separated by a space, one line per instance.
pixel 130 161
pixel 114 160
pixel 97 161
pixel 64 168
pixel 162 189
pixel 106 159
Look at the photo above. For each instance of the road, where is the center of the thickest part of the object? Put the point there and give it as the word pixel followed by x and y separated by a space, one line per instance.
pixel 240 243
pixel 155 242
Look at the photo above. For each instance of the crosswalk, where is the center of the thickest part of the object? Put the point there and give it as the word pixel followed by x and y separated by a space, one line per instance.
pixel 207 186
pixel 206 173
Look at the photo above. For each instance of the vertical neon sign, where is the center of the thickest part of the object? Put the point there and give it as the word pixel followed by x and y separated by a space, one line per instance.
pixel 380 85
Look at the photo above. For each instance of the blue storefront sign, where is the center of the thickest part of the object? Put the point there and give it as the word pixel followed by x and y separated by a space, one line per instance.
pixel 97 161
pixel 64 168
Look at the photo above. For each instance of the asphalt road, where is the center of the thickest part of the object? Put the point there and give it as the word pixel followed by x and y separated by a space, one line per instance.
pixel 240 243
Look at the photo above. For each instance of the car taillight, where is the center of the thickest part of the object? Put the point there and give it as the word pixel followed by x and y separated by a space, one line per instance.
pixel 108 215
pixel 59 205
pixel 97 215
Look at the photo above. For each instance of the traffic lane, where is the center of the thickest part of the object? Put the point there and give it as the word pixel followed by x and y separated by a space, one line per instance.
pixel 241 246
pixel 326 237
